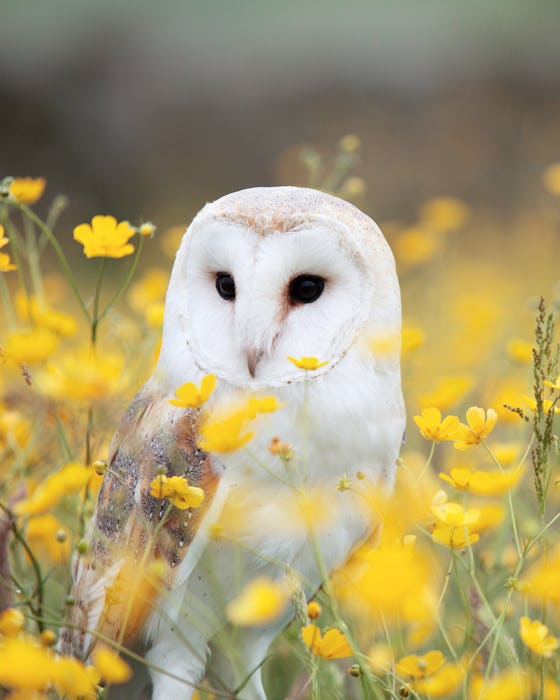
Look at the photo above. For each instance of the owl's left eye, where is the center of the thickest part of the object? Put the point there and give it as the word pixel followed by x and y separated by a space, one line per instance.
pixel 225 286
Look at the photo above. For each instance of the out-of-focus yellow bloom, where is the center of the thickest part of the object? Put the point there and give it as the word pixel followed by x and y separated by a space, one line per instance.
pixel 260 602
pixel 453 514
pixel 333 645
pixel 544 580
pixel 15 430
pixel 308 363
pixel 146 296
pixel 490 483
pixel 351 143
pixel 506 452
pixel 147 229
pixel 30 309
pixel 177 490
pixel 278 448
pixel 31 347
pixel 416 245
pixel 28 190
pixel 420 666
pixel 412 338
pixel 111 667
pixel 444 213
pixel 512 684
pixel 352 187
pixel 489 517
pixel 48 538
pixel 105 237
pixel 69 479
pixel 454 537
pixel 11 622
pixel 520 350
pixel 535 636
pixel 548 405
pixel 5 262
pixel 25 664
pixel 443 683
pixel 448 392
pixel 551 179
pixel 190 396
pixel 553 384
pixel 225 430
pixel 74 680
pixel 380 658
pixel 433 428
pixel 480 425
pixel 48 638
pixel 81 375
pixel 171 240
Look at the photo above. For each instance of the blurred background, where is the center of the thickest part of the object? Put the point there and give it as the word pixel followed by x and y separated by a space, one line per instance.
pixel 148 110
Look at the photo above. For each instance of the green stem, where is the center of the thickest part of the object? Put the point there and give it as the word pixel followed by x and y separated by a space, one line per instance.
pixel 33 259
pixel 95 315
pixel 126 281
pixel 59 253
pixel 7 302
pixel 428 461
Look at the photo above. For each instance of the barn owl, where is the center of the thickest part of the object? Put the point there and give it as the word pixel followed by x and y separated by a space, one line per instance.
pixel 261 275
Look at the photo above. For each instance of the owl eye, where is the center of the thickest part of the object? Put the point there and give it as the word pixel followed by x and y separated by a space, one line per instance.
pixel 306 288
pixel 225 285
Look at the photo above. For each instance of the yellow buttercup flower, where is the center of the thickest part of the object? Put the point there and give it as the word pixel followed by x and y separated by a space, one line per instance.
pixel 420 666
pixel 416 245
pixel 454 537
pixel 48 538
pixel 11 622
pixel 547 405
pixel 111 667
pixel 444 213
pixel 105 237
pixel 71 478
pixel 412 338
pixel 511 684
pixel 58 322
pixel 5 262
pixel 535 636
pixel 313 609
pixel 433 428
pixel 443 683
pixel 31 347
pixel 307 363
pixel 551 179
pixel 448 392
pixel 25 664
pixel 177 490
pixel 453 514
pixel 553 384
pixel 333 645
pixel 259 603
pixel 490 483
pixel 147 229
pixel 28 190
pixel 520 350
pixel 480 425
pixel 190 396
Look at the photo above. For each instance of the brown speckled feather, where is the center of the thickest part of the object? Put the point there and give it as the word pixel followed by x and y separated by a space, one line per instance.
pixel 127 534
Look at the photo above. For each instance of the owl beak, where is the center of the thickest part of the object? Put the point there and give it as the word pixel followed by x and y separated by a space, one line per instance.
pixel 253 357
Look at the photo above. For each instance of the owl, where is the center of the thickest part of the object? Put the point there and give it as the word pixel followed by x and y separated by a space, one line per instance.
pixel 261 275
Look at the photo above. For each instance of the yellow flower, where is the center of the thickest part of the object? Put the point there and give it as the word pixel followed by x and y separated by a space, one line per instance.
pixel 490 483
pixel 453 514
pixel 433 428
pixel 420 666
pixel 150 288
pixel 48 538
pixel 535 636
pixel 171 240
pixel 58 322
pixel 105 237
pixel 177 490
pixel 454 537
pixel 190 396
pixel 443 683
pixel 444 213
pixel 225 431
pixel 547 405
pixel 333 645
pixel 24 663
pixel 111 667
pixel 512 684
pixel 28 190
pixel 82 375
pixel 11 622
pixel 147 229
pixel 69 479
pixel 74 680
pixel 260 602
pixel 448 392
pixel 416 245
pixel 480 425
pixel 313 609
pixel 553 385
pixel 5 262
pixel 31 347
pixel 520 350
pixel 307 363
pixel 412 338
pixel 551 179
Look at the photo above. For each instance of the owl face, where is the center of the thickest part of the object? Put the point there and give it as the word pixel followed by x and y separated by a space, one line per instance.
pixel 247 291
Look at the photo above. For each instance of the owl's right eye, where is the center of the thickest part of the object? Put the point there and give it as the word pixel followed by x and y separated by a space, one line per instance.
pixel 225 286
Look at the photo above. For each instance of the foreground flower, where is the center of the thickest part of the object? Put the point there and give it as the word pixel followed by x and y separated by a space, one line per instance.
pixel 260 602
pixel 552 384
pixel 177 490
pixel 190 396
pixel 420 666
pixel 454 527
pixel 5 262
pixel 40 315
pixel 535 636
pixel 226 430
pixel 544 580
pixel 443 683
pixel 308 363
pixel 480 425
pixel 31 347
pixel 105 237
pixel 433 428
pixel 11 622
pixel 68 479
pixel 490 483
pixel 110 665
pixel 333 645
pixel 28 190
pixel 548 406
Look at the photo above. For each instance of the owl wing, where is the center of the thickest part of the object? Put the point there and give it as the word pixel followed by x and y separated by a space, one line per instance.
pixel 136 543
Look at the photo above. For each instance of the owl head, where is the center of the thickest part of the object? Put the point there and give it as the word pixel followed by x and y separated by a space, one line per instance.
pixel 267 273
